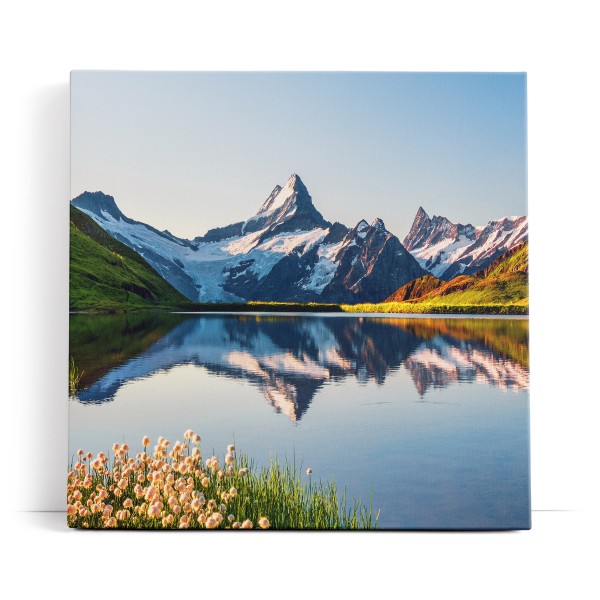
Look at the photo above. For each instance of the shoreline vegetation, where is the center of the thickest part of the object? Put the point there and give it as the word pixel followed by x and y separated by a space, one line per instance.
pixel 75 376
pixel 172 487
pixel 300 307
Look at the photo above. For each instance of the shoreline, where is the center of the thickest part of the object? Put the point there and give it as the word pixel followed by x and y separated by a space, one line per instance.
pixel 317 313
pixel 362 315
pixel 403 309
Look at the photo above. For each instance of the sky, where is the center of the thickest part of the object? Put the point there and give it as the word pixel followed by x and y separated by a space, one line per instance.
pixel 190 151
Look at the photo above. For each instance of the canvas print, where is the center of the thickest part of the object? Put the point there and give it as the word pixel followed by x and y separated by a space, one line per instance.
pixel 298 301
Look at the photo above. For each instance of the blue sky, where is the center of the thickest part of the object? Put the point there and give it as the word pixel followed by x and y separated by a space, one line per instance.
pixel 191 151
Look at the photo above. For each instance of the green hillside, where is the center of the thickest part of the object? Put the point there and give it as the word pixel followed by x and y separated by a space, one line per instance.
pixel 106 275
pixel 500 288
pixel 503 283
pixel 513 261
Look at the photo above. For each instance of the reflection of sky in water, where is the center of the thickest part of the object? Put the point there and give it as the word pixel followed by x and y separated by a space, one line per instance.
pixel 435 425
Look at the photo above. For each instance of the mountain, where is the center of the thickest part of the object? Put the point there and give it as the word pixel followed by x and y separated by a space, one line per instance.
pixel 504 282
pixel 144 239
pixel 107 275
pixel 287 251
pixel 446 249
pixel 286 209
pixel 369 260
pixel 417 288
pixel 515 260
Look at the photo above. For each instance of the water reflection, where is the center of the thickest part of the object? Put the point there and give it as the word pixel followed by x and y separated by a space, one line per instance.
pixel 290 358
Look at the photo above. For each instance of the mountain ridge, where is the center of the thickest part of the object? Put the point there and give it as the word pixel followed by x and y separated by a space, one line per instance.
pixel 287 251
pixel 447 249
pixel 106 274
pixel 504 281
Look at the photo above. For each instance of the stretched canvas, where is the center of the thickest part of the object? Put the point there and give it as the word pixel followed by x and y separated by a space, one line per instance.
pixel 298 301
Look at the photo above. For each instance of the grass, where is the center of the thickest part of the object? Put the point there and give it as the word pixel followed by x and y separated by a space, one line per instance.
pixel 513 261
pixel 278 491
pixel 438 308
pixel 176 489
pixel 108 276
pixel 75 376
pixel 254 306
pixel 443 305
pixel 509 289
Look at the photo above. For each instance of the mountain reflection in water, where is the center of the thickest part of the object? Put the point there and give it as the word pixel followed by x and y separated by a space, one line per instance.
pixel 290 358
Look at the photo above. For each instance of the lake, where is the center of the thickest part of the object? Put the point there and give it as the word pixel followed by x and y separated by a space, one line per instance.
pixel 427 416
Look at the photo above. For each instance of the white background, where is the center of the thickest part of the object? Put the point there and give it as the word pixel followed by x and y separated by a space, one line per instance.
pixel 555 43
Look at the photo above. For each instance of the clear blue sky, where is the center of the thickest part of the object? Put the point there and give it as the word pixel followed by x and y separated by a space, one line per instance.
pixel 191 151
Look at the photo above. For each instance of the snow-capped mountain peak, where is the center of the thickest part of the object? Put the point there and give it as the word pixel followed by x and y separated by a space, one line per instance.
pixel 287 251
pixel 360 230
pixel 293 188
pixel 266 207
pixel 447 249
pixel 288 208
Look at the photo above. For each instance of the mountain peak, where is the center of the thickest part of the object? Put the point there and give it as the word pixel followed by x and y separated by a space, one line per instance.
pixel 296 184
pixel 294 188
pixel 287 208
pixel 378 224
pixel 98 203
pixel 421 213
pixel 419 231
pixel 266 207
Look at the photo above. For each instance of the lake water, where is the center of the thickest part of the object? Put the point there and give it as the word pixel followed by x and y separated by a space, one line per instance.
pixel 430 416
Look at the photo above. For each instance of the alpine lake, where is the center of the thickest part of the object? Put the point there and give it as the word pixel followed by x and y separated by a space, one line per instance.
pixel 426 418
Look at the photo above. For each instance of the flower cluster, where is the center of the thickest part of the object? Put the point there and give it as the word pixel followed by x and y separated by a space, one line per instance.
pixel 170 487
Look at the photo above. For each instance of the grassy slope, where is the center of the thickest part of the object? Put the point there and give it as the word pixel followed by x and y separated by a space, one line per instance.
pixel 501 288
pixel 513 261
pixel 503 283
pixel 106 275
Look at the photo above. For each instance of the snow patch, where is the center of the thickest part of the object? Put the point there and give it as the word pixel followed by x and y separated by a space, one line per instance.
pixel 324 269
pixel 208 264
